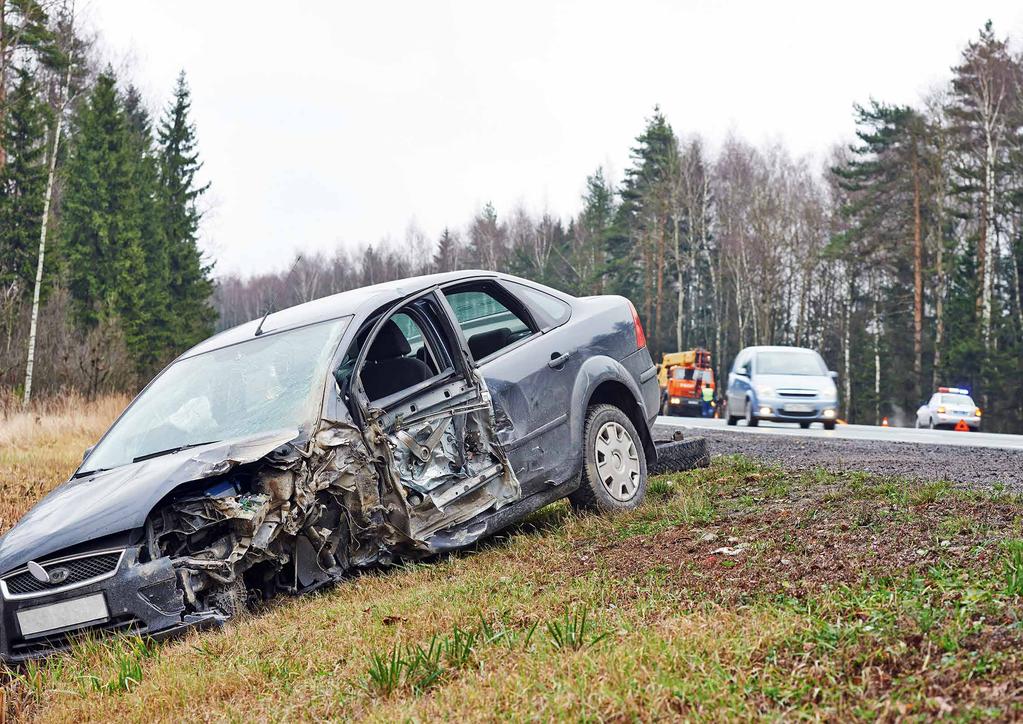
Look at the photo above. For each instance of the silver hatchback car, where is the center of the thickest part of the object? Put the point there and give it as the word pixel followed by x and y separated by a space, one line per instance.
pixel 782 384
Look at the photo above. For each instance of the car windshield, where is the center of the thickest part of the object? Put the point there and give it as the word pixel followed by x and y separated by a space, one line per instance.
pixel 790 363
pixel 268 383
pixel 957 400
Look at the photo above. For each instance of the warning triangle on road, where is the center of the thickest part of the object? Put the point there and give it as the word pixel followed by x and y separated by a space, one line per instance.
pixel 961 426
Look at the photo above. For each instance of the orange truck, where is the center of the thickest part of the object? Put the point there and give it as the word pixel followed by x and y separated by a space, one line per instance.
pixel 683 377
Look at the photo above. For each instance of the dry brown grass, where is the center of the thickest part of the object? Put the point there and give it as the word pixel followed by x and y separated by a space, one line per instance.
pixel 851 597
pixel 40 447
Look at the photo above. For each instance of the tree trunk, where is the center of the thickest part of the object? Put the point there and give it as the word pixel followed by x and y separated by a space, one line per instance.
pixel 681 296
pixel 986 243
pixel 877 360
pixel 939 307
pixel 4 42
pixel 846 334
pixel 42 238
pixel 918 284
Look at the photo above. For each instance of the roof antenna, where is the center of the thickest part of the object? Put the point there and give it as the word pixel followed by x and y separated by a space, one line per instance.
pixel 273 295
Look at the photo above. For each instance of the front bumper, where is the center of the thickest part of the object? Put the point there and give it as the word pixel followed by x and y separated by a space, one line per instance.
pixel 797 410
pixel 684 405
pixel 141 598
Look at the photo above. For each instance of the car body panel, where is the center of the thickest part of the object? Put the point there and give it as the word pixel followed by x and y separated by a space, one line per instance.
pixel 444 463
pixel 112 501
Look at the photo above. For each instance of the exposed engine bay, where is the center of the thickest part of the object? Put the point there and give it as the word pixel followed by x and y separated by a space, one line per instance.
pixel 303 516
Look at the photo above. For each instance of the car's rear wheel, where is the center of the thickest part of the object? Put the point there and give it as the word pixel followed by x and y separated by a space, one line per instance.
pixel 829 425
pixel 614 474
pixel 751 419
pixel 931 424
pixel 805 425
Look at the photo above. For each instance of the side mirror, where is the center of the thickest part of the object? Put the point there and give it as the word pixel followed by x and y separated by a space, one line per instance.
pixel 87 451
pixel 743 371
pixel 833 375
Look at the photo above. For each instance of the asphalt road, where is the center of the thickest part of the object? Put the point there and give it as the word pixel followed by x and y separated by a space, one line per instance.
pixel 964 457
pixel 859 432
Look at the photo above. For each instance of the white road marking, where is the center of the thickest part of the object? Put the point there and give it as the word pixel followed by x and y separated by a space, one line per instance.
pixel 858 432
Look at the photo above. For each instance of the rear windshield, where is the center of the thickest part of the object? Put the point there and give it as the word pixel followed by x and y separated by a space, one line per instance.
pixel 790 363
pixel 957 400
pixel 689 373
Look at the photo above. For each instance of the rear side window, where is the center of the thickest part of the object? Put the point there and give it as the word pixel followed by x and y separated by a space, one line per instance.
pixel 487 323
pixel 549 310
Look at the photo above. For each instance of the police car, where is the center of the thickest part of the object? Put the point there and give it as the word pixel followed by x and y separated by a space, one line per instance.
pixel 947 407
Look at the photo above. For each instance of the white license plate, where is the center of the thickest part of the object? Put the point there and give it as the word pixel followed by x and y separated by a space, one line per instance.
pixel 797 407
pixel 63 615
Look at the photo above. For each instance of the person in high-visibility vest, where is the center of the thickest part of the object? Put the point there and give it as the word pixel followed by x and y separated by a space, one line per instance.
pixel 708 401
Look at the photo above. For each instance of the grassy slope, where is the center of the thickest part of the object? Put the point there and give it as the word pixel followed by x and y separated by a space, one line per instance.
pixel 839 596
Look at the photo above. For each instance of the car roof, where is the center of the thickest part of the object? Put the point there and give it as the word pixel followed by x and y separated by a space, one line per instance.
pixel 356 302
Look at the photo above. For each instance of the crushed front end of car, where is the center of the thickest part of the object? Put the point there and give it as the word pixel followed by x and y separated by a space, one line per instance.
pixel 212 530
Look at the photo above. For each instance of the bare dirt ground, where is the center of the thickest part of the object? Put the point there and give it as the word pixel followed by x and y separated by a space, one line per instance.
pixel 966 465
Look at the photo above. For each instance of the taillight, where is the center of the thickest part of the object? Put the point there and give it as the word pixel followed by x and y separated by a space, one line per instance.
pixel 941 410
pixel 640 334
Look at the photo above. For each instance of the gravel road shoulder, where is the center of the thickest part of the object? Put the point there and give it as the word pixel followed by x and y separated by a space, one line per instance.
pixel 968 465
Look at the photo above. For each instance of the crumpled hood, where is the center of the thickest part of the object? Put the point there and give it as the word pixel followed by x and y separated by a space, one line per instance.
pixel 104 503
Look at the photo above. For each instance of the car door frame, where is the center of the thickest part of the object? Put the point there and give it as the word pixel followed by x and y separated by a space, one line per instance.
pixel 542 475
pixel 355 391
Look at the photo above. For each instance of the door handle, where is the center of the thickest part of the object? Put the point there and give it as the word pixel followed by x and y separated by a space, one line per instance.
pixel 557 361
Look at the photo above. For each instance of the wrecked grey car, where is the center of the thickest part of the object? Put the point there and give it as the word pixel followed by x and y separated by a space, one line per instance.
pixel 391 422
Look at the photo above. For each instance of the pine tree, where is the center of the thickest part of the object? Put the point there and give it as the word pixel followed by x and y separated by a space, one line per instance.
pixel 636 248
pixel 487 240
pixel 445 258
pixel 888 178
pixel 591 234
pixel 190 287
pixel 22 184
pixel 155 284
pixel 23 27
pixel 101 222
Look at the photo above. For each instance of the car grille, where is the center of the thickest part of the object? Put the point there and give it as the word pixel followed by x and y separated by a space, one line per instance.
pixel 80 570
pixel 789 413
pixel 797 394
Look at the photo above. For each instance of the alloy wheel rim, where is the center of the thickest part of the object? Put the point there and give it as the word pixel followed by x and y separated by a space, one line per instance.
pixel 617 461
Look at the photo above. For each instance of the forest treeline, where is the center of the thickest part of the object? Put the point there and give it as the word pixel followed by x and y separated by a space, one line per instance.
pixel 900 260
pixel 123 287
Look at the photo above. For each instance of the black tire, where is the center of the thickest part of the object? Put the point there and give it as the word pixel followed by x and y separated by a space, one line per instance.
pixel 805 425
pixel 829 425
pixel 751 419
pixel 592 493
pixel 676 456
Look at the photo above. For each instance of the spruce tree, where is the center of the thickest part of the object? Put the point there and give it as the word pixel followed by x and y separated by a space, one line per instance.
pixel 101 220
pixel 445 258
pixel 190 286
pixel 596 222
pixel 22 184
pixel 155 284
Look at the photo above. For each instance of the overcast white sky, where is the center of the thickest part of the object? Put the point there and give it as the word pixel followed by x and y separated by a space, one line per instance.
pixel 331 123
